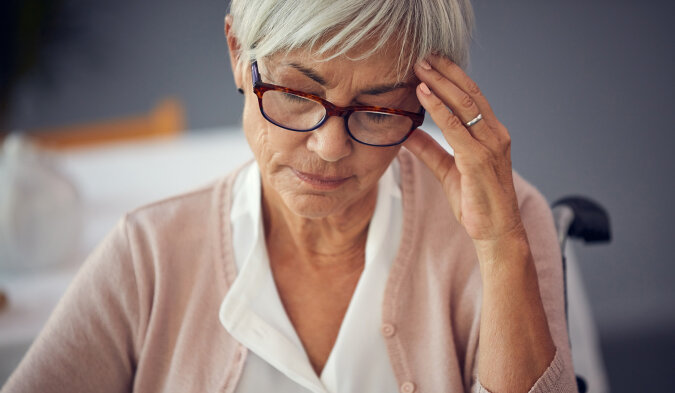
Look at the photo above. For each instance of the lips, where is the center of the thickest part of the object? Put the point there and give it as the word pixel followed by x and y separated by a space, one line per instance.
pixel 320 181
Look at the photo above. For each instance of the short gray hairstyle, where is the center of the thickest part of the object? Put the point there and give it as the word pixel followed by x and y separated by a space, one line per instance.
pixel 331 28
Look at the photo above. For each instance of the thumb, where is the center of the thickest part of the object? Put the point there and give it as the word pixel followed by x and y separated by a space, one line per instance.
pixel 425 147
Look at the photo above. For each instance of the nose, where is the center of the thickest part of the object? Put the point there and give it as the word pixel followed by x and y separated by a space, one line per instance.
pixel 331 141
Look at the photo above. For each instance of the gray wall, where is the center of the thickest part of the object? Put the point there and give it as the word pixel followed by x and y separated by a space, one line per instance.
pixel 585 87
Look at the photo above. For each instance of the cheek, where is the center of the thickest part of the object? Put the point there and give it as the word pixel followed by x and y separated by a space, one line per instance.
pixel 370 163
pixel 271 145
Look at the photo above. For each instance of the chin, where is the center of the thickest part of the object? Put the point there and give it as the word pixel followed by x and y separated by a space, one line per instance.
pixel 313 206
pixel 306 201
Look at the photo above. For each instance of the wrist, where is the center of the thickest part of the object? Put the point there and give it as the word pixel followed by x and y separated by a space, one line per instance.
pixel 509 248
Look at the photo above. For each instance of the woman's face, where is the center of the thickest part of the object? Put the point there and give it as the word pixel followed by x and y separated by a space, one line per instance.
pixel 322 173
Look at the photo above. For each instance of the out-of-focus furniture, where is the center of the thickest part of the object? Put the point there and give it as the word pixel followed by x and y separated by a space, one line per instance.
pixel 38 202
pixel 167 118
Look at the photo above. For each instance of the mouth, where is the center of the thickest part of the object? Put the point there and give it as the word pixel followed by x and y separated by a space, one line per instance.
pixel 321 182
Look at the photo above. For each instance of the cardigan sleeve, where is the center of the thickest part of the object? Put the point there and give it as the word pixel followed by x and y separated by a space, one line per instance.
pixel 538 220
pixel 89 343
pixel 549 381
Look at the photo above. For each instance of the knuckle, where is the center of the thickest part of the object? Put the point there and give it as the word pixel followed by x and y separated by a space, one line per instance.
pixel 504 135
pixel 507 140
pixel 507 146
pixel 438 105
pixel 466 101
pixel 472 87
pixel 450 64
pixel 446 163
pixel 437 77
pixel 453 121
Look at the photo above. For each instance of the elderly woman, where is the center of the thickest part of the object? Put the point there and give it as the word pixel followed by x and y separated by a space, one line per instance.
pixel 354 254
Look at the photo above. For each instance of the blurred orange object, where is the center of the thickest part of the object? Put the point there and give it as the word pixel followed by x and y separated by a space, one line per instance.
pixel 3 300
pixel 166 119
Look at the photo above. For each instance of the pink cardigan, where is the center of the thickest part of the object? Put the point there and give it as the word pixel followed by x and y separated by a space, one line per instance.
pixel 142 313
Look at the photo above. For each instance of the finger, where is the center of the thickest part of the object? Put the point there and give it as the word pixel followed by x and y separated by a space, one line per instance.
pixel 454 73
pixel 452 127
pixel 425 147
pixel 458 100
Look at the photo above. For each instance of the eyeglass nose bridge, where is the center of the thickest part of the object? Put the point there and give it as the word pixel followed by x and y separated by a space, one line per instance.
pixel 333 110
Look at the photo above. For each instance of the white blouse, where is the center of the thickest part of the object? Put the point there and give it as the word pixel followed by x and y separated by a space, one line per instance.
pixel 253 314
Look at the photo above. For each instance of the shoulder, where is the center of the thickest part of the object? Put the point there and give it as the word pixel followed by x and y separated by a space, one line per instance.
pixel 184 217
pixel 182 236
pixel 164 219
pixel 176 211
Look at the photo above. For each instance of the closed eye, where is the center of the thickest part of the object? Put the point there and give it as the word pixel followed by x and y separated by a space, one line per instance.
pixel 378 117
pixel 293 97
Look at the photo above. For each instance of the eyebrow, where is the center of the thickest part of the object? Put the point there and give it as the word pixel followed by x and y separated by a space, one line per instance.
pixel 309 73
pixel 375 90
pixel 381 89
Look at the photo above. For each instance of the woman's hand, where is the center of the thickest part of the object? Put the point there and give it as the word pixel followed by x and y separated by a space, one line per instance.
pixel 479 185
pixel 477 180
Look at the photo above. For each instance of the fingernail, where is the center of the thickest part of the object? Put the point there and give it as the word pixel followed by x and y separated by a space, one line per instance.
pixel 423 63
pixel 425 89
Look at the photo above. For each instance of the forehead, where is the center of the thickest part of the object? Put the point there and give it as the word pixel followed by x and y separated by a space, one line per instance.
pixel 380 67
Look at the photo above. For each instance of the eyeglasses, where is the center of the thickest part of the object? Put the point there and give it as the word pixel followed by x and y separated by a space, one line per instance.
pixel 302 112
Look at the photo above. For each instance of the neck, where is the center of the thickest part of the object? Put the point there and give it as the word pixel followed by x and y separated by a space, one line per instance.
pixel 334 242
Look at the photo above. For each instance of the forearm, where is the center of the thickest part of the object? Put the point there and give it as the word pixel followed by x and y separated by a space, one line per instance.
pixel 515 344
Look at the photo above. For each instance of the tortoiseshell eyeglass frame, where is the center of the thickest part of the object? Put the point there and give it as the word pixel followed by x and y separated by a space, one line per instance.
pixel 260 87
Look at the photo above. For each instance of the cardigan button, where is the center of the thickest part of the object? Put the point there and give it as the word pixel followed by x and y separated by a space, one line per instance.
pixel 388 330
pixel 407 387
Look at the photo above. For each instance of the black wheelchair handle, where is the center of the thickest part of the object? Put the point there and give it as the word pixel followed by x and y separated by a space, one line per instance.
pixel 589 220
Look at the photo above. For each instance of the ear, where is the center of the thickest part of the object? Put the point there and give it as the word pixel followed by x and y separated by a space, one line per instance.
pixel 234 49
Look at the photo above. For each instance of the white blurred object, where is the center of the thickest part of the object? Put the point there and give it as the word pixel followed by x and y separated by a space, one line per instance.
pixel 40 211
pixel 111 180
pixel 584 339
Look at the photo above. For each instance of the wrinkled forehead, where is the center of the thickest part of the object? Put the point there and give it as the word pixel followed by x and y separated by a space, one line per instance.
pixel 386 65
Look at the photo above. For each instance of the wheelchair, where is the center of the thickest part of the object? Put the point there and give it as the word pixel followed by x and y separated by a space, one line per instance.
pixel 583 219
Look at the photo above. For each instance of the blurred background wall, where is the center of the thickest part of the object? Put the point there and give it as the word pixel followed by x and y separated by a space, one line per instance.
pixel 585 88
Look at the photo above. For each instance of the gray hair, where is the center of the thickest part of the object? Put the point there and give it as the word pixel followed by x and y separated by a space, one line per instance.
pixel 331 28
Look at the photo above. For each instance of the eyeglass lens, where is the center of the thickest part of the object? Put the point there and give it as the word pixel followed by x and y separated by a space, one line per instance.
pixel 302 114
